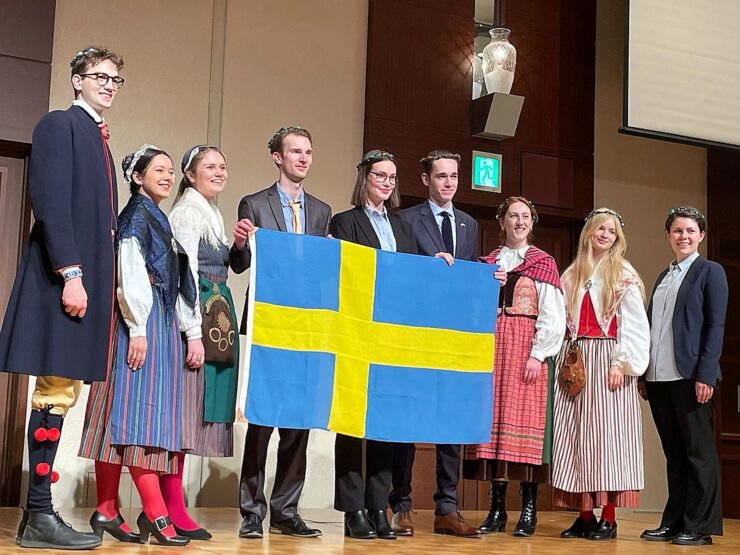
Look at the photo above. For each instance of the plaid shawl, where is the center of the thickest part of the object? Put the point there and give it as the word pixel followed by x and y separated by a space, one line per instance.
pixel 537 265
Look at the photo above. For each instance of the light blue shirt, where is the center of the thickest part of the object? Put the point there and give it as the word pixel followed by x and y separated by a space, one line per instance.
pixel 662 365
pixel 288 211
pixel 382 226
pixel 439 218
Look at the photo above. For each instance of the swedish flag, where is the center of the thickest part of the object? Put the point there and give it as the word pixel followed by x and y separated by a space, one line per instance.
pixel 347 338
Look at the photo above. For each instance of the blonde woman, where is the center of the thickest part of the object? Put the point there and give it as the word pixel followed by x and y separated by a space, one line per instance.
pixel 597 443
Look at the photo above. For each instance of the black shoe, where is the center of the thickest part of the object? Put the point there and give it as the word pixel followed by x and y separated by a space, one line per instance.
pixel 528 517
pixel 383 529
pixel 692 538
pixel 294 526
pixel 661 534
pixel 44 531
pixel 603 531
pixel 580 528
pixel 357 525
pixel 497 517
pixel 21 527
pixel 198 534
pixel 251 527
pixel 147 527
pixel 99 524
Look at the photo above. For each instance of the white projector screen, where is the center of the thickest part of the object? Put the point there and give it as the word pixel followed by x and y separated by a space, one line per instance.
pixel 682 71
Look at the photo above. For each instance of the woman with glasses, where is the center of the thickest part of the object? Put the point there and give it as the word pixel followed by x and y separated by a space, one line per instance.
pixel 369 223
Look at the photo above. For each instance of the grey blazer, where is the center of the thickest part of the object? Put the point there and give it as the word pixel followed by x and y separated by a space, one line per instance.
pixel 429 238
pixel 263 209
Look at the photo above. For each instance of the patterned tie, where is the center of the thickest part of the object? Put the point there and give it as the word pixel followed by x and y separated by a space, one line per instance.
pixel 104 131
pixel 447 233
pixel 296 207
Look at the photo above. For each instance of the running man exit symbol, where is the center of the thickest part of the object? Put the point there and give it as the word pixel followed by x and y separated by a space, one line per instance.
pixel 486 172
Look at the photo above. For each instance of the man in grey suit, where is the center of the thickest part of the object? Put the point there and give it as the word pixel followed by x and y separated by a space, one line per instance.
pixel 283 206
pixel 438 227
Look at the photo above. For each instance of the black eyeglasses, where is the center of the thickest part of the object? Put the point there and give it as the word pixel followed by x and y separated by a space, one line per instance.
pixel 380 177
pixel 103 78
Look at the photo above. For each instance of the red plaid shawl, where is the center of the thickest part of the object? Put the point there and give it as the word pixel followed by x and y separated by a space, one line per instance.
pixel 537 265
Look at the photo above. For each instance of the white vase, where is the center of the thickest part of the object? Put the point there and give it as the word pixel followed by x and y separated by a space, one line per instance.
pixel 499 62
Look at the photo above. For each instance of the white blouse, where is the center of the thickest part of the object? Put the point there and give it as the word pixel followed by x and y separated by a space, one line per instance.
pixel 550 325
pixel 632 351
pixel 134 294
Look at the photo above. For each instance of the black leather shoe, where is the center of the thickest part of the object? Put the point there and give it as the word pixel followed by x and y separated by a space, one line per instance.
pixel 99 524
pixel 661 534
pixel 528 517
pixel 497 517
pixel 580 528
pixel 147 528
pixel 357 525
pixel 604 531
pixel 382 527
pixel 692 538
pixel 21 527
pixel 294 527
pixel 251 527
pixel 198 534
pixel 44 531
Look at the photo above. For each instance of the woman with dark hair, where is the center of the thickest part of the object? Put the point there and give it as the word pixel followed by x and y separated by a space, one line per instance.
pixel 529 329
pixel 687 319
pixel 209 391
pixel 134 418
pixel 369 223
pixel 597 433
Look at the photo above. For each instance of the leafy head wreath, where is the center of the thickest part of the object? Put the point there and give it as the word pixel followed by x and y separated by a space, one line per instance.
pixel 375 156
pixel 508 201
pixel 83 54
pixel 605 211
pixel 282 132
pixel 439 156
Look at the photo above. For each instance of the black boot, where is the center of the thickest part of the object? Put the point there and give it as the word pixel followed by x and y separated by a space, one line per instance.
pixel 380 522
pixel 44 430
pixel 358 526
pixel 44 531
pixel 497 517
pixel 528 518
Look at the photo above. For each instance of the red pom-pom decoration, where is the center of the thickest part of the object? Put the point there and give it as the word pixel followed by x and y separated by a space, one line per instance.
pixel 41 434
pixel 42 469
pixel 54 476
pixel 53 434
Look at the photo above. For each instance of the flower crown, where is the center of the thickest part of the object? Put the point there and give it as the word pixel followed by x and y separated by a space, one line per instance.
pixel 375 156
pixel 512 200
pixel 689 212
pixel 605 211
pixel 282 132
pixel 83 54
pixel 439 156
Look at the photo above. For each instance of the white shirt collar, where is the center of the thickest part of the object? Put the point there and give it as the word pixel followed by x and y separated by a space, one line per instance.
pixel 85 106
pixel 686 262
pixel 436 210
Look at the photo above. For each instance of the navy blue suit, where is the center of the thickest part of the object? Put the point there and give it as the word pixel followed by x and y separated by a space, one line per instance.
pixel 75 208
pixel 429 242
pixel 685 426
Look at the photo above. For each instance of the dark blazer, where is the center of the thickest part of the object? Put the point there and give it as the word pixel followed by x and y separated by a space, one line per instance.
pixel 429 237
pixel 263 209
pixel 75 207
pixel 699 321
pixel 354 226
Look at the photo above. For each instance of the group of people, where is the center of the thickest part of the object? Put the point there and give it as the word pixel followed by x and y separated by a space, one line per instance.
pixel 155 396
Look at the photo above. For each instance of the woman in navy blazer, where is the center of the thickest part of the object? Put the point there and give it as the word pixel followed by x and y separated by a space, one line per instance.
pixel 687 317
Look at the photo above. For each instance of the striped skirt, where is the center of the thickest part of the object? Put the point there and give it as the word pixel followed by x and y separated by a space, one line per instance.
pixel 134 418
pixel 206 439
pixel 519 409
pixel 597 436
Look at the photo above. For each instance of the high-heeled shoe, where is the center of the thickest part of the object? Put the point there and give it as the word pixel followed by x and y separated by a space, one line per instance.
pixel 100 523
pixel 197 534
pixel 147 527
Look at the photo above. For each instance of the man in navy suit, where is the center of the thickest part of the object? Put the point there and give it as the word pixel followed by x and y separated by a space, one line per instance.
pixel 687 317
pixel 438 227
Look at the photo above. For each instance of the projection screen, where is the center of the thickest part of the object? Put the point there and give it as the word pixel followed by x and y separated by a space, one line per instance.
pixel 682 71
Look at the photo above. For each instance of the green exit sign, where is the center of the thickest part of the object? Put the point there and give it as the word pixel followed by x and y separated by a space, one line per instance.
pixel 487 171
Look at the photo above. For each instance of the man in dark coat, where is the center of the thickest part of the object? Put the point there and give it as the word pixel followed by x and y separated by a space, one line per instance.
pixel 283 206
pixel 438 227
pixel 58 323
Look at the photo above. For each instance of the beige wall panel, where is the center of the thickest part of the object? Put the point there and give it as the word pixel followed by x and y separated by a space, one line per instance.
pixel 642 179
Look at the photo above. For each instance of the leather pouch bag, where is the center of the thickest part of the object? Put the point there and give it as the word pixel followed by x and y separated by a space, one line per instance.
pixel 572 373
pixel 219 331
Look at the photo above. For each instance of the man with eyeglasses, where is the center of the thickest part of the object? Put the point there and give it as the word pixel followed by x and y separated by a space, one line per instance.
pixel 283 206
pixel 438 227
pixel 58 325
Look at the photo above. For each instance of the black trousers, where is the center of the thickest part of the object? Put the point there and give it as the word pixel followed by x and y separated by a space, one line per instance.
pixel 351 491
pixel 289 475
pixel 686 429
pixel 448 475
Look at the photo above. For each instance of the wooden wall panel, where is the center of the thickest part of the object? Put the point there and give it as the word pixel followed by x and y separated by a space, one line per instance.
pixel 27 29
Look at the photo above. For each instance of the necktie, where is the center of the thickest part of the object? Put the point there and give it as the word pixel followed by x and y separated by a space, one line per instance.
pixel 296 207
pixel 104 131
pixel 447 233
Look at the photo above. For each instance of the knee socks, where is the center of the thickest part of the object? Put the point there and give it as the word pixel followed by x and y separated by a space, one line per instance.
pixel 44 430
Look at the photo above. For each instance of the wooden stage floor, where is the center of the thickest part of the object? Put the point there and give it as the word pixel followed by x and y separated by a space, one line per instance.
pixel 224 524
